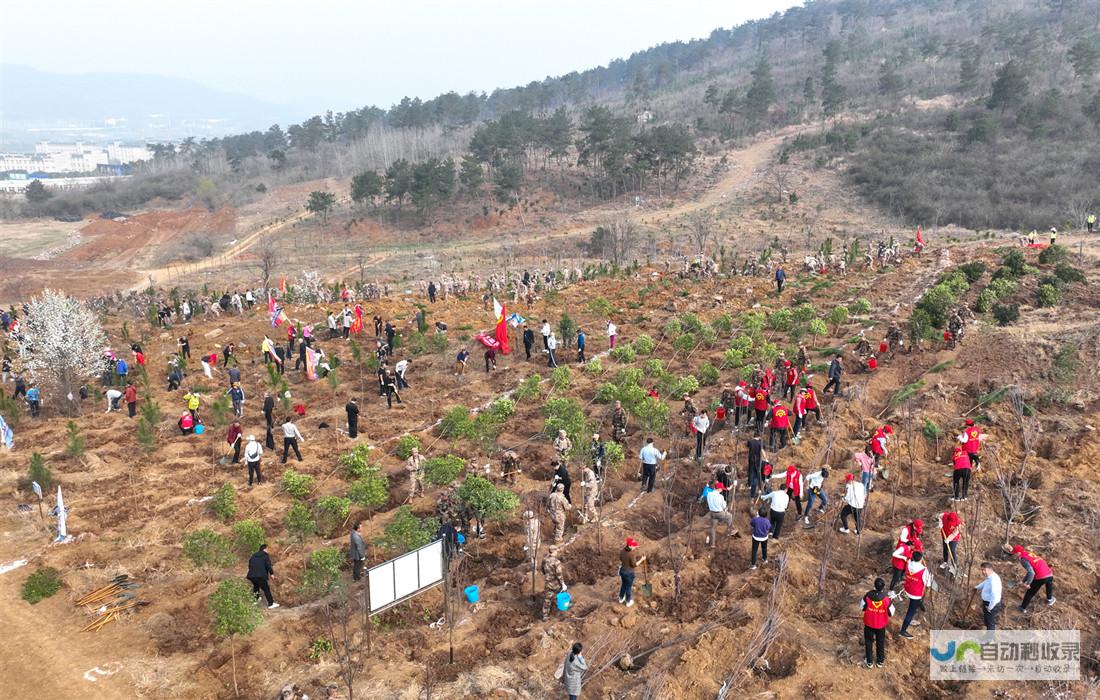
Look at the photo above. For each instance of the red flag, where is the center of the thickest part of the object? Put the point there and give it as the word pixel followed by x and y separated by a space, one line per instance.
pixel 502 327
pixel 282 285
pixel 357 324
pixel 920 238
pixel 270 303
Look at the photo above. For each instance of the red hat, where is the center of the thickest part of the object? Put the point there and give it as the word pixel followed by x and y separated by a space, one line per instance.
pixel 743 383
pixel 887 429
pixel 631 542
pixel 918 524
pixel 786 363
pixel 970 421
pixel 849 477
pixel 719 486
pixel 1018 550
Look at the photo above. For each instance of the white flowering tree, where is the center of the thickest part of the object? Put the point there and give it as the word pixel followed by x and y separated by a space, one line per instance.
pixel 62 343
pixel 310 289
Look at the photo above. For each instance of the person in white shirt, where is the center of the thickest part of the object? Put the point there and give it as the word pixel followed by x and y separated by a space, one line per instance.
pixel 778 500
pixel 701 423
pixel 545 330
pixel 253 451
pixel 331 322
pixel 291 436
pixel 990 591
pixel 815 484
pixel 855 497
pixel 649 455
pixel 719 511
pixel 551 347
pixel 249 298
pixel 399 369
pixel 113 396
pixel 612 331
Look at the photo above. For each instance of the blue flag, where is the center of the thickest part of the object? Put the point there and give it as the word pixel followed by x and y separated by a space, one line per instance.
pixel 6 435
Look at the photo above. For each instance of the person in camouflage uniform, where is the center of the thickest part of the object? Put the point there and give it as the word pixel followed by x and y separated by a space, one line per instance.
pixel 509 467
pixel 553 580
pixel 557 507
pixel 894 338
pixel 532 530
pixel 689 412
pixel 803 358
pixel 591 485
pixel 447 507
pixel 414 465
pixel 562 445
pixel 618 423
pixel 597 454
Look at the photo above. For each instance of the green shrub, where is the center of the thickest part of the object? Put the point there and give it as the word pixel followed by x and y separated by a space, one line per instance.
pixel 561 378
pixel 920 326
pixel 1053 255
pixel 568 415
pixel 207 549
pixel 600 307
pixel 456 423
pixel 931 431
pixel 707 336
pixel 984 302
pixel 685 386
pixel 690 322
pixel 406 532
pixel 607 393
pixel 331 512
pixel 41 584
pixel 671 328
pixel 752 323
pixel 322 573
pixel 1014 262
pixel 370 491
pixel 837 317
pixel 74 441
pixel 723 325
pixel 937 302
pixel 1068 274
pixel 613 454
pixel 235 609
pixel 644 345
pixel 766 353
pixel 1002 287
pixel 652 415
pixel 486 500
pixel 299 522
pixel 224 502
pixel 623 354
pixel 441 471
pixel 653 367
pixel 973 270
pixel 708 374
pixel 1006 314
pixel 1048 295
pixel 529 388
pixel 319 648
pixel 593 366
pixel 296 484
pixel 956 282
pixel 803 313
pixel 405 446
pixel 39 472
pixel 248 535
pixel 780 320
pixel 684 343
pixel 355 462
pixel 567 329
pixel 732 358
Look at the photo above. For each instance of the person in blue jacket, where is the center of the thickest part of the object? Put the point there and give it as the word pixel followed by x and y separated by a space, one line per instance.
pixel 780 278
pixel 33 400
pixel 580 345
pixel 121 370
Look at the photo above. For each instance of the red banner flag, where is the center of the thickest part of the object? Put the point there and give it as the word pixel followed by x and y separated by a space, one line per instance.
pixel 502 327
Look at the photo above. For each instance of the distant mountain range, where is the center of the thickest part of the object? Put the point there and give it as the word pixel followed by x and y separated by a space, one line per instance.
pixel 35 105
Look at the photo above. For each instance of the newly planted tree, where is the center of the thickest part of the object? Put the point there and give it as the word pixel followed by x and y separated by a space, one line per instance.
pixel 235 614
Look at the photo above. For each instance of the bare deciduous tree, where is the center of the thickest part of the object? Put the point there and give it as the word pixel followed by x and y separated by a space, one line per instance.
pixel 268 259
pixel 780 181
pixel 1078 209
pixel 616 240
pixel 702 229
pixel 1013 482
pixel 338 614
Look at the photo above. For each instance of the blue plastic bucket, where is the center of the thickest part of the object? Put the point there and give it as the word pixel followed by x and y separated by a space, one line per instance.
pixel 564 600
pixel 199 429
pixel 471 594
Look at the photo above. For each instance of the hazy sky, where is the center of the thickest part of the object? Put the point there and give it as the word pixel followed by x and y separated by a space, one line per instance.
pixel 323 53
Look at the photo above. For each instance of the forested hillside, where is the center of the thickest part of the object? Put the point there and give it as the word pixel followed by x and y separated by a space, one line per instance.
pixel 972 112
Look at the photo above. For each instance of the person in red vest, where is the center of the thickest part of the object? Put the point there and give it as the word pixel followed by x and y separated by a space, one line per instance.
pixel 131 398
pixel 768 380
pixel 1039 574
pixel 792 481
pixel 780 423
pixel 742 399
pixel 883 347
pixel 872 363
pixel 877 609
pixel 960 476
pixel 917 579
pixel 972 438
pixel 811 401
pixel 760 404
pixel 899 559
pixel 790 382
pixel 951 526
pixel 911 532
pixel 879 441
pixel 799 413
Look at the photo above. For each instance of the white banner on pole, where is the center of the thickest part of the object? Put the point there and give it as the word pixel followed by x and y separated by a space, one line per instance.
pixel 405 576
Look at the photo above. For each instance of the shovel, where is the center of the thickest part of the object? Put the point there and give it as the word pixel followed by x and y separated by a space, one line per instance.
pixel 647 587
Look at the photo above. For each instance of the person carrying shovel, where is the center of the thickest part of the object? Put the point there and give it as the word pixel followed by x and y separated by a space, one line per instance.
pixel 951 526
pixel 629 559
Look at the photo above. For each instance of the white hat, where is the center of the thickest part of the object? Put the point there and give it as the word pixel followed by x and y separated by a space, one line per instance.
pixel 252 438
